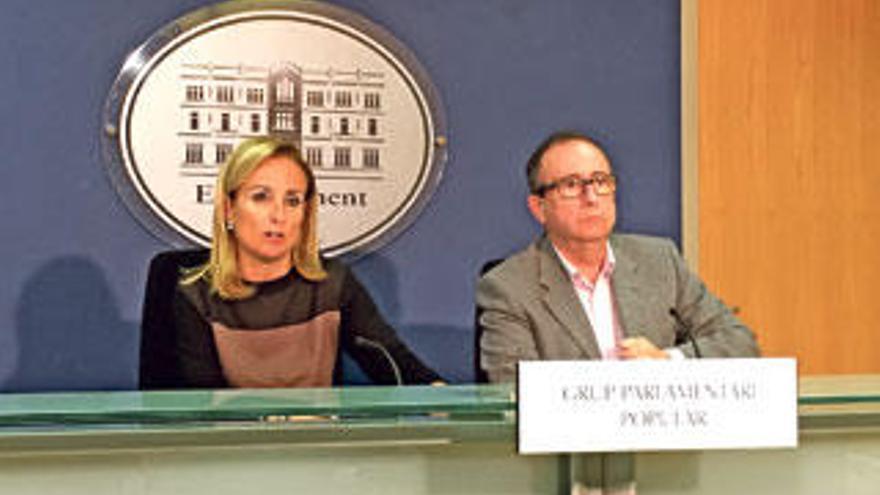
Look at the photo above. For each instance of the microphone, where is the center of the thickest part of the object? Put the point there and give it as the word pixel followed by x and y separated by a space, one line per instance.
pixel 686 330
pixel 365 342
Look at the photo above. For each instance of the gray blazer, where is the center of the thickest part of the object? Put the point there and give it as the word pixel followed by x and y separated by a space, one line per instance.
pixel 529 309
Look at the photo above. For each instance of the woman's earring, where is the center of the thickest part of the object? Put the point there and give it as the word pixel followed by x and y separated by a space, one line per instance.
pixel 230 225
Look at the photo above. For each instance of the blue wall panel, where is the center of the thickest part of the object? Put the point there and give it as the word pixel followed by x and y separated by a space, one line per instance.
pixel 509 72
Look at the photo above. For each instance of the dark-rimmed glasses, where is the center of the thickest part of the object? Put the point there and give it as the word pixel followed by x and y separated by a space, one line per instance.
pixel 573 186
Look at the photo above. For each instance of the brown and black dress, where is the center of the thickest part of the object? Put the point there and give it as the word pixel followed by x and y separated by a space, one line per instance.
pixel 290 333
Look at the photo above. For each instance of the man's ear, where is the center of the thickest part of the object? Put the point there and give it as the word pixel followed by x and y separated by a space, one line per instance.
pixel 536 207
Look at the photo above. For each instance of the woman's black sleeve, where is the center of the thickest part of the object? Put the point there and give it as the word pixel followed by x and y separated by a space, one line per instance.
pixel 197 359
pixel 373 343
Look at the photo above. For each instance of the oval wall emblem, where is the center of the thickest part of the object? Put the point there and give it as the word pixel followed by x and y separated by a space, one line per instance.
pixel 355 100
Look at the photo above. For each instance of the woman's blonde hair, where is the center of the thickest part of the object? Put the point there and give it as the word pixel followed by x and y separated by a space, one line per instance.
pixel 222 271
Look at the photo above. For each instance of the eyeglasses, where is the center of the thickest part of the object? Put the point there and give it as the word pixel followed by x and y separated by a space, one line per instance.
pixel 573 186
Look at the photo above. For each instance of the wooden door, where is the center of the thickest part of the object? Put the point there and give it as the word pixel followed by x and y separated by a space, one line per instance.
pixel 789 174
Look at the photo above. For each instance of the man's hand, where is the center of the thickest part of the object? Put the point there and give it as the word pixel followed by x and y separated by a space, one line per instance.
pixel 639 348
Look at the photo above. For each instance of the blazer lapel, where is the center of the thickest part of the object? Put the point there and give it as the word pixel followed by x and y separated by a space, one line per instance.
pixel 562 302
pixel 625 288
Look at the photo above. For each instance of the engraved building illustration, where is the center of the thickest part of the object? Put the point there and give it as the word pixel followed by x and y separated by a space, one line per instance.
pixel 334 116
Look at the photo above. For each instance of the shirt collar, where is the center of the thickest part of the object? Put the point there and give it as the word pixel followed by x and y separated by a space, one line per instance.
pixel 607 266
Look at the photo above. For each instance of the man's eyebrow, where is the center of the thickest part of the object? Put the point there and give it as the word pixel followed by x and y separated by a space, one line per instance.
pixel 569 176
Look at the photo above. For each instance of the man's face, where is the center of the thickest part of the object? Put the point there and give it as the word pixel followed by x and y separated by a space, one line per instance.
pixel 587 217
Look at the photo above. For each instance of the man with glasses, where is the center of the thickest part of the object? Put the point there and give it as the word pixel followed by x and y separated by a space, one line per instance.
pixel 581 292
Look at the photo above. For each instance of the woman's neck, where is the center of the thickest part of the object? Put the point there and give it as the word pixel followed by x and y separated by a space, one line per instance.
pixel 253 270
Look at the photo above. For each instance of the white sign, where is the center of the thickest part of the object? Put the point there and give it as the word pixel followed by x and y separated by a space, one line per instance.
pixel 608 406
pixel 353 99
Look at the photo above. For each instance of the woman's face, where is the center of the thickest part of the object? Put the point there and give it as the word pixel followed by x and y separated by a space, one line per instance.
pixel 268 212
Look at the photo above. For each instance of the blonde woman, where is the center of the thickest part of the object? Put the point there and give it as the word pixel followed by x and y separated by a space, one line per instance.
pixel 266 310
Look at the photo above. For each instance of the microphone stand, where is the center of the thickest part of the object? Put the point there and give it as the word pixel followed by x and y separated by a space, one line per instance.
pixel 365 342
pixel 686 330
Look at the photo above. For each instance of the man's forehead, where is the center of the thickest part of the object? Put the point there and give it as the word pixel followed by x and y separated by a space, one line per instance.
pixel 575 154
